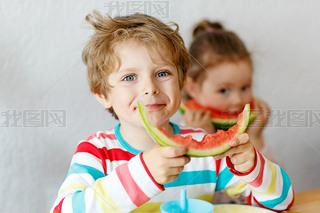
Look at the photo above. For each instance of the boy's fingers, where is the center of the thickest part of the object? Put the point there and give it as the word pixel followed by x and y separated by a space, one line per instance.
pixel 171 151
pixel 172 178
pixel 178 162
pixel 218 157
pixel 238 159
pixel 230 152
pixel 241 139
pixel 176 170
pixel 244 167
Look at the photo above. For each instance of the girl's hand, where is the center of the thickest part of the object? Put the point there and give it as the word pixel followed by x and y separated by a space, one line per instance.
pixel 255 129
pixel 199 119
pixel 242 153
pixel 165 163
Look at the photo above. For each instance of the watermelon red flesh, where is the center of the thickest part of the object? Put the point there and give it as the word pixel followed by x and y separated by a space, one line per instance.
pixel 193 104
pixel 211 144
pixel 221 120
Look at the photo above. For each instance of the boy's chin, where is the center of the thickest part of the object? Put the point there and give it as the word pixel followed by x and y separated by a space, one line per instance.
pixel 158 121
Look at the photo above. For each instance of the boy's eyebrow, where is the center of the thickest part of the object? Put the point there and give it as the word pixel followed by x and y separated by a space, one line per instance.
pixel 156 66
pixel 164 64
pixel 127 69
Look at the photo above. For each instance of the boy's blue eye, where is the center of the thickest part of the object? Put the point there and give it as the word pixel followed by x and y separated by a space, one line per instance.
pixel 162 74
pixel 129 78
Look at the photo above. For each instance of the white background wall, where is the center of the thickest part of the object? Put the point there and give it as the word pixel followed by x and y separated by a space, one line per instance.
pixel 41 69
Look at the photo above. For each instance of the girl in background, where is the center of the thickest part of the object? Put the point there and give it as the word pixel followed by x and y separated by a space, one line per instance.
pixel 221 78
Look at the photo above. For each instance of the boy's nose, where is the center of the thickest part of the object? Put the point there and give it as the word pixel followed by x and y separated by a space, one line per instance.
pixel 154 92
pixel 151 88
pixel 151 91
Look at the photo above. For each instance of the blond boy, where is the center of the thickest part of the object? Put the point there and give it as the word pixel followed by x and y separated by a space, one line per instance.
pixel 138 58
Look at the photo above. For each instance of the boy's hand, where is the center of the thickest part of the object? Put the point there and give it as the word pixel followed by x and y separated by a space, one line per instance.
pixel 242 153
pixel 199 119
pixel 165 163
pixel 256 127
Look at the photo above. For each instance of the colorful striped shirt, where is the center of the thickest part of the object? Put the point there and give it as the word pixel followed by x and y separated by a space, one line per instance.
pixel 108 175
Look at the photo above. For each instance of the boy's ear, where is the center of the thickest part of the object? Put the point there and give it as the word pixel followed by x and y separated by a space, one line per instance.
pixel 103 101
pixel 192 88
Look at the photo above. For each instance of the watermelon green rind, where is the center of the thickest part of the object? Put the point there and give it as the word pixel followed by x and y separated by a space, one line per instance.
pixel 196 149
pixel 225 125
pixel 222 149
pixel 154 132
pixel 246 116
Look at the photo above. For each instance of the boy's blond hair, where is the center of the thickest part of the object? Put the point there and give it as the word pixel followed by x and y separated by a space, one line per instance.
pixel 99 53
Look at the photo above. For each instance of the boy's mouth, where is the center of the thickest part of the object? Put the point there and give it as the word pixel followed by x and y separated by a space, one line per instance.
pixel 151 107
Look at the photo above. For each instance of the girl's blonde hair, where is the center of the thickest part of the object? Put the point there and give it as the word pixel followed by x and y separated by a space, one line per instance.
pixel 99 53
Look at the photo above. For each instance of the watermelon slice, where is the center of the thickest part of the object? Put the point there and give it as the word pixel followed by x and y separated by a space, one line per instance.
pixel 221 120
pixel 211 144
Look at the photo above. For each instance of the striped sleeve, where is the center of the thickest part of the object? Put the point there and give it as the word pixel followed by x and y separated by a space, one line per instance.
pixel 269 184
pixel 229 183
pixel 89 187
